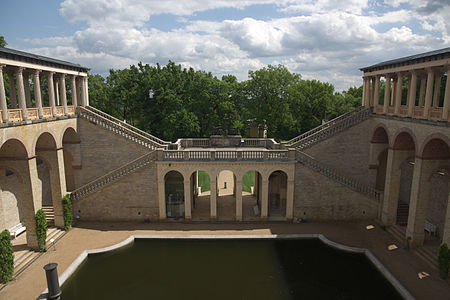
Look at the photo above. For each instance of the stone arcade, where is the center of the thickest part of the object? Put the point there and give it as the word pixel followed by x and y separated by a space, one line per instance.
pixel 388 159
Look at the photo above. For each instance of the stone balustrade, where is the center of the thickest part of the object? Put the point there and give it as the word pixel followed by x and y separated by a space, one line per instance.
pixel 15 115
pixel 225 155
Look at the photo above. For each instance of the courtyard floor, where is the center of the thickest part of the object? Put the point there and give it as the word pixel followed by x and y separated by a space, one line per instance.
pixel 403 264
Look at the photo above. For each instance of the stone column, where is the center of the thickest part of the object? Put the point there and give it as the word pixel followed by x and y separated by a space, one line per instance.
pixel 161 197
pixel 371 90
pixel 420 191
pixel 55 157
pixel 51 93
pixel 21 93
pixel 436 94
pixel 62 91
pixel 73 87
pixel 83 93
pixel 265 199
pixel 446 231
pixel 387 94
pixel 86 90
pixel 238 187
pixel 376 92
pixel 365 96
pixel 26 83
pixel 290 198
pixel 37 93
pixel 398 93
pixel 213 197
pixel 446 98
pixel 412 94
pixel 393 92
pixel 3 103
pixel 428 93
pixel 392 184
pixel 187 199
pixel 422 91
pixel 56 89
pixel 12 91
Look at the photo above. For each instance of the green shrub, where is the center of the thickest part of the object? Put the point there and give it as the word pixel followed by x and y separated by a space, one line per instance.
pixel 41 229
pixel 67 212
pixel 444 260
pixel 6 256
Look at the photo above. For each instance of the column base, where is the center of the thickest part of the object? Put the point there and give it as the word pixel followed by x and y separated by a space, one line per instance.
pixel 264 219
pixel 415 240
pixel 213 218
pixel 239 219
pixel 387 219
pixel 32 241
pixel 188 219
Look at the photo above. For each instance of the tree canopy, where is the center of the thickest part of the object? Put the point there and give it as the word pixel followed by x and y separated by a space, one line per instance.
pixel 3 43
pixel 172 102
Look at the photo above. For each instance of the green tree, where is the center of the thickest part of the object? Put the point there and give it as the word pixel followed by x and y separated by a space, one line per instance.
pixel 3 43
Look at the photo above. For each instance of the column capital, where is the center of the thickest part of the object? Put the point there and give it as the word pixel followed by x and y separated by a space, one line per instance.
pixel 20 70
pixel 2 66
pixel 62 75
pixel 37 71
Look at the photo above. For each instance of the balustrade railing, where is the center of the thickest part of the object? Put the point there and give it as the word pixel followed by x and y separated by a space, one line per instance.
pixel 129 132
pixel 436 113
pixel 224 155
pixel 16 114
pixel 128 126
pixel 338 176
pixel 330 128
pixel 112 176
pixel 403 111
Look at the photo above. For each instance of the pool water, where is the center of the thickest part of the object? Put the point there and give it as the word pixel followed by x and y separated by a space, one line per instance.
pixel 227 269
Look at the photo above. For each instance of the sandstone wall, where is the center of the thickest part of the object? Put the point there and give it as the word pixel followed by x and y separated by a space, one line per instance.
pixel 103 151
pixel 10 202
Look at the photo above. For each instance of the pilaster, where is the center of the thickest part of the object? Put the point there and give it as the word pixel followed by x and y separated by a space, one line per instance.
pixel 446 234
pixel 187 199
pixel 238 187
pixel 265 199
pixel 161 197
pixel 412 94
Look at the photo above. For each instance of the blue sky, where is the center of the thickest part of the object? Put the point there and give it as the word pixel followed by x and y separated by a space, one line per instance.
pixel 328 40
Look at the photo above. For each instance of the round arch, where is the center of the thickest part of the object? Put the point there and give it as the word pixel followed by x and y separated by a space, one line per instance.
pixel 404 139
pixel 277 193
pixel 433 144
pixel 174 194
pixel 380 135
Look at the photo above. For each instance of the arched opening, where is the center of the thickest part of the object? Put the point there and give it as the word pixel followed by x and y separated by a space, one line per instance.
pixel 71 151
pixel 401 176
pixel 226 192
pixel 251 195
pixel 277 194
pixel 379 150
pixel 201 191
pixel 174 194
pixel 435 187
pixel 381 170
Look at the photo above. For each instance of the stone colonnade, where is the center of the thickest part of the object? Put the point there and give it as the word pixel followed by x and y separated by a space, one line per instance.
pixel 20 106
pixel 238 171
pixel 423 94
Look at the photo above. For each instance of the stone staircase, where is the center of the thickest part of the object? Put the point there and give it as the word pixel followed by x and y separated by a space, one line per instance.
pixel 330 128
pixel 338 176
pixel 402 213
pixel 49 215
pixel 24 258
pixel 112 176
pixel 121 128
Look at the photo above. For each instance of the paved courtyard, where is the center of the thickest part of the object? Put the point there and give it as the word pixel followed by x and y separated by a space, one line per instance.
pixel 403 264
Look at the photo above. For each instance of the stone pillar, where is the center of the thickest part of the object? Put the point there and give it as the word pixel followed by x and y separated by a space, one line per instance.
pixel 56 89
pixel 392 184
pixel 21 94
pixel 3 103
pixel 387 94
pixel 446 98
pixel 420 191
pixel 37 93
pixel 290 198
pixel 422 91
pixel 213 197
pixel 187 199
pixel 437 86
pixel 12 91
pixel 446 231
pixel 62 92
pixel 55 157
pixel 161 197
pixel 82 93
pixel 371 90
pixel 398 93
pixel 86 90
pixel 238 187
pixel 73 87
pixel 265 199
pixel 376 92
pixel 51 93
pixel 393 93
pixel 365 96
pixel 26 83
pixel 412 94
pixel 428 93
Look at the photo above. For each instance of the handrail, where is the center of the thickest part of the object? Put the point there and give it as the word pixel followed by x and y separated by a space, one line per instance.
pixel 118 128
pixel 112 176
pixel 225 155
pixel 331 127
pixel 338 176
pixel 132 128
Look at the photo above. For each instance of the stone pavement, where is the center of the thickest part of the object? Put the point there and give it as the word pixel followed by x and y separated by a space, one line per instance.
pixel 403 264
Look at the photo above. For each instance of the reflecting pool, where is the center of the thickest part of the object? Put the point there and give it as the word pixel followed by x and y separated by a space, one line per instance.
pixel 227 269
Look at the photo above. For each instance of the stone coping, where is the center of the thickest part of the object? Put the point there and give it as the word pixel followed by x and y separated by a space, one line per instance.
pixel 378 265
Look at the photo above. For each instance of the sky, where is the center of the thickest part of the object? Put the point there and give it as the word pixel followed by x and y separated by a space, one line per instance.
pixel 327 40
